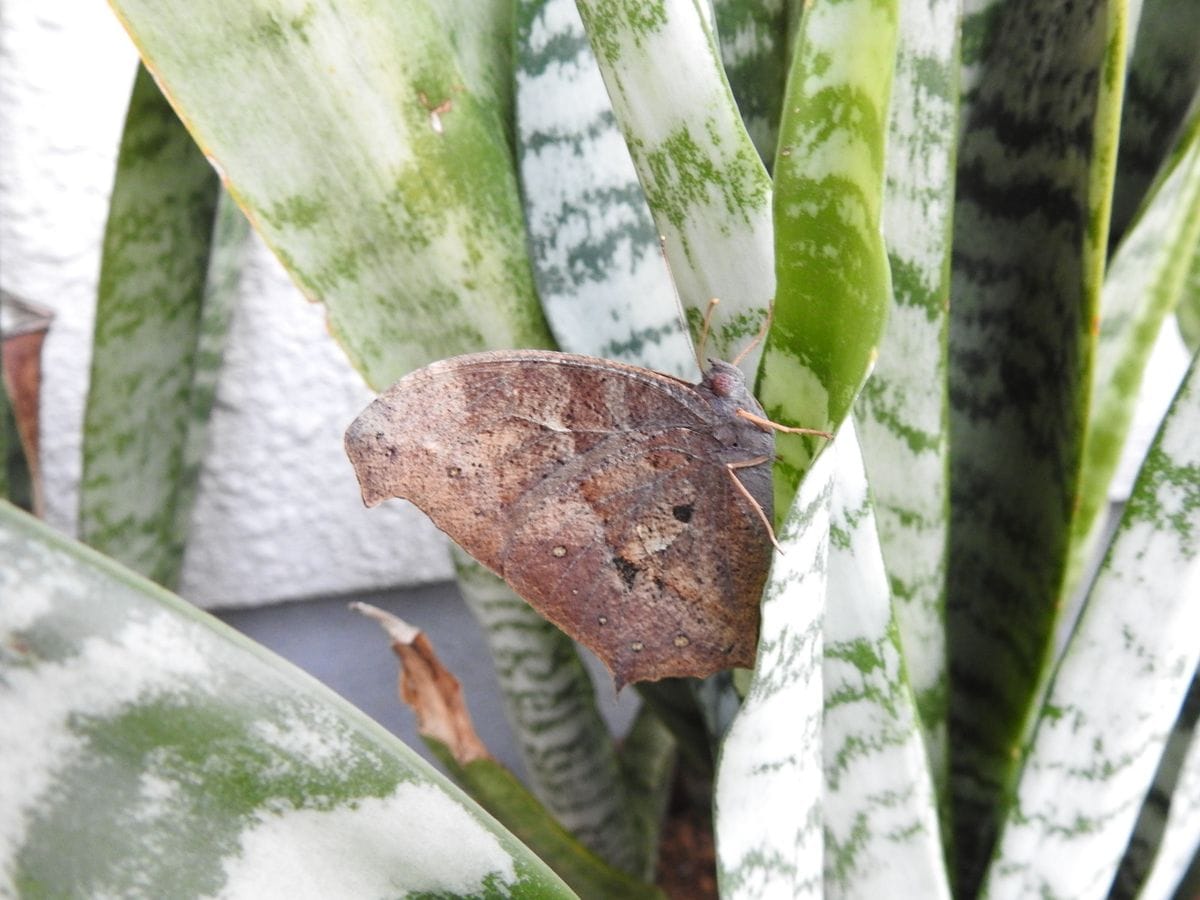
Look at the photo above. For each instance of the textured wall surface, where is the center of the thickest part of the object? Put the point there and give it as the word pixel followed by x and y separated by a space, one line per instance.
pixel 278 515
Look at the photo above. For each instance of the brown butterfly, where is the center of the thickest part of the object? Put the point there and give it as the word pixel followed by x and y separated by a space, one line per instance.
pixel 630 508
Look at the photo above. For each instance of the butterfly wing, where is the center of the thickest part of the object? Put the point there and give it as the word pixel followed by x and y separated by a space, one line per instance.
pixel 597 490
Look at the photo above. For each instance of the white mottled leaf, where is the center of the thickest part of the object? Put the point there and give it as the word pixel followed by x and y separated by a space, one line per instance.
pixel 596 255
pixel 703 179
pixel 880 810
pixel 767 801
pixel 1118 688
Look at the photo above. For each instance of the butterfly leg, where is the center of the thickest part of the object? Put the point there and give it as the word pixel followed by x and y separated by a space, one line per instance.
pixel 732 468
pixel 768 425
pixel 708 314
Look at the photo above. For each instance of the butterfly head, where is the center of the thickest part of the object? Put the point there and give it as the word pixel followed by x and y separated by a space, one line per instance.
pixel 724 379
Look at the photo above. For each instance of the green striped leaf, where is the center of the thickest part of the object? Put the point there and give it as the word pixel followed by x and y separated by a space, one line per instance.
pixel 159 333
pixel 595 250
pixel 150 751
pixel 498 791
pixel 1144 284
pixel 1188 311
pixel 753 37
pixel 767 798
pixel 1034 164
pixel 833 280
pixel 1163 78
pixel 879 804
pixel 901 412
pixel 648 755
pixel 707 189
pixel 1118 688
pixel 1180 843
pixel 481 33
pixel 1167 833
pixel 550 702
pixel 368 158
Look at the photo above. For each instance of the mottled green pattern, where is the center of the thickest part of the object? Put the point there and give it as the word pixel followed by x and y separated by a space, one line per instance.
pixel 1188 311
pixel 1161 82
pixel 648 754
pixel 367 161
pixel 752 35
pixel 498 791
pixel 1169 820
pixel 901 412
pixel 158 338
pixel 880 807
pixel 481 33
pixel 1180 842
pixel 767 800
pixel 707 189
pixel 1144 283
pixel 551 705
pixel 1116 693
pixel 152 752
pixel 594 248
pixel 1034 164
pixel 833 279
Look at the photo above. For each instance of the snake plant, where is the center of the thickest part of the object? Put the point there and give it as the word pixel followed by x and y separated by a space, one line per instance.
pixel 966 225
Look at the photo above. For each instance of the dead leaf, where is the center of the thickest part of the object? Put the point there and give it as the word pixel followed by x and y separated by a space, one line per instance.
pixel 428 687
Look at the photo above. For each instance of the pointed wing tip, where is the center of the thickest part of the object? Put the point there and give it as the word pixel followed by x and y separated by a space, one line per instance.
pixel 358 443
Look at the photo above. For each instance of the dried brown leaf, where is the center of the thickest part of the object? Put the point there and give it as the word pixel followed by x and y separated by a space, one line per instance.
pixel 428 687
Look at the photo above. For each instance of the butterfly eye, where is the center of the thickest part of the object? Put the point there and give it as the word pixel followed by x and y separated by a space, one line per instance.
pixel 723 384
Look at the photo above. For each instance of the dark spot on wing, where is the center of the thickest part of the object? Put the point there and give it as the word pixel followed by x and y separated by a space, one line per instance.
pixel 682 512
pixel 627 570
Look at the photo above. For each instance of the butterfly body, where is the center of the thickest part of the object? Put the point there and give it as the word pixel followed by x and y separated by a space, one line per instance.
pixel 604 494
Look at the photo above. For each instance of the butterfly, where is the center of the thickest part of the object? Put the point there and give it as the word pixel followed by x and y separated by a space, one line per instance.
pixel 630 508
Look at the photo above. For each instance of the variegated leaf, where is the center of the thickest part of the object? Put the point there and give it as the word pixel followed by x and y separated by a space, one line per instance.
pixel 1188 311
pixel 1163 78
pixel 382 179
pixel 167 280
pixel 595 251
pixel 1167 833
pixel 648 755
pixel 1034 162
pixel 1144 284
pixel 767 799
pixel 151 752
pixel 833 280
pixel 707 189
pixel 753 37
pixel 1119 685
pixel 1180 845
pixel 901 412
pixel 880 807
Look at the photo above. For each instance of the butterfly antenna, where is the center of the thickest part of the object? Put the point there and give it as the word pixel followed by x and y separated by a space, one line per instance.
pixel 758 338
pixel 704 331
pixel 662 247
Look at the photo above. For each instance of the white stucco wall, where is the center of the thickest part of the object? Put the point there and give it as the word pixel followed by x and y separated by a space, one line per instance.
pixel 278 514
